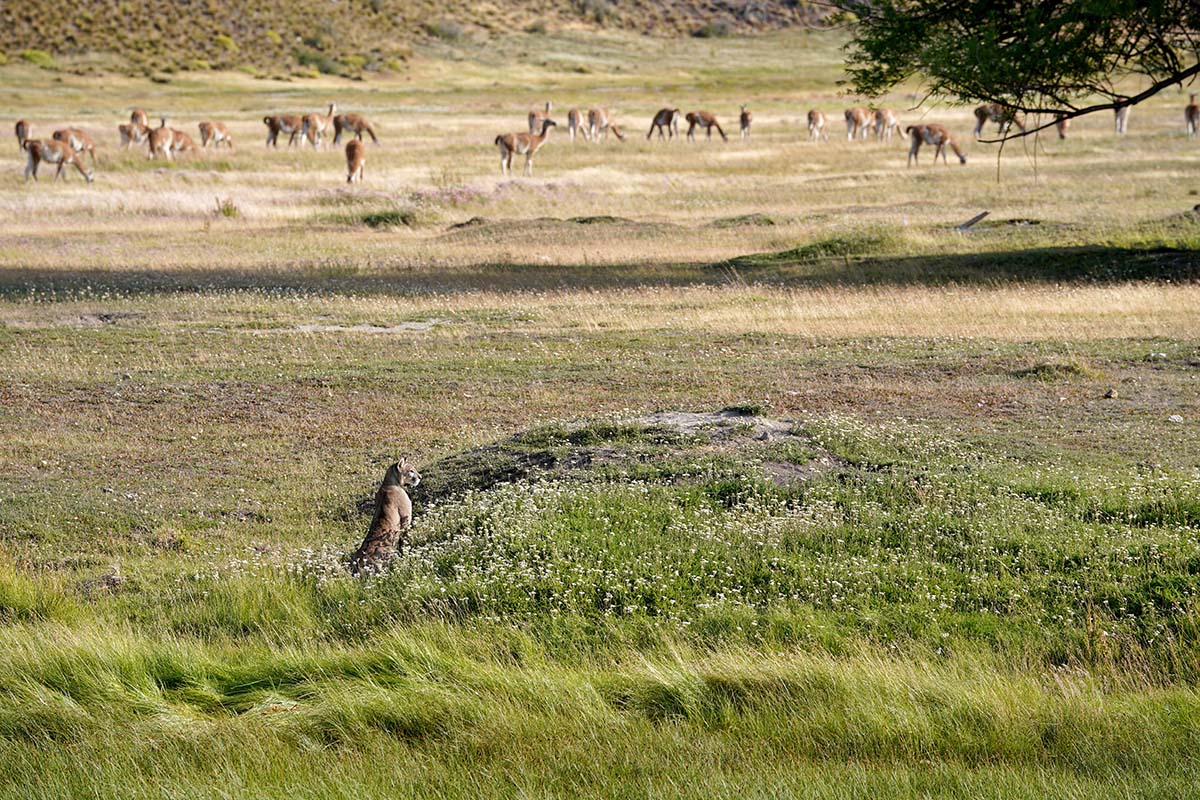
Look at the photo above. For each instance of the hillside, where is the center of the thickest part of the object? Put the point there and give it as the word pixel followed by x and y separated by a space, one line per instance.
pixel 339 37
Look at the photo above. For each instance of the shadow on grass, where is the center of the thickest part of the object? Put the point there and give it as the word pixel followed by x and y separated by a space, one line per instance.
pixel 801 267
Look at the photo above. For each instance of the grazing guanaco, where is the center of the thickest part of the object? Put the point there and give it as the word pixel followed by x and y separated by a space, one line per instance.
pixel 575 125
pixel 393 516
pixel 161 141
pixel 354 123
pixel 744 120
pixel 1004 118
pixel 527 144
pixel 216 134
pixel 181 142
pixel 138 117
pixel 665 118
pixel 79 141
pixel 936 135
pixel 22 129
pixel 885 124
pixel 291 124
pixel 703 119
pixel 1121 116
pixel 816 125
pixel 600 122
pixel 1061 123
pixel 314 126
pixel 53 152
pixel 536 118
pixel 1191 116
pixel 858 123
pixel 132 133
pixel 356 156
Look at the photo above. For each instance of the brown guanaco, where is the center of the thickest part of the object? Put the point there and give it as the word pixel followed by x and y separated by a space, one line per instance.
pixel 356 156
pixel 936 135
pixel 527 144
pixel 706 120
pixel 667 118
pixel 55 152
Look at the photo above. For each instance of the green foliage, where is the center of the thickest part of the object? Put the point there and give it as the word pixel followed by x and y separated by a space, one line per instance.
pixel 1027 55
pixel 445 29
pixel 39 58
pixel 226 43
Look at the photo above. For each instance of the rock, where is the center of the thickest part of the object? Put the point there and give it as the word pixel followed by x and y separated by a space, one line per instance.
pixel 1175 418
pixel 1156 357
pixel 1111 394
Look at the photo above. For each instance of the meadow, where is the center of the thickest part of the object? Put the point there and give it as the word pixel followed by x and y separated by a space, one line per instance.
pixel 960 559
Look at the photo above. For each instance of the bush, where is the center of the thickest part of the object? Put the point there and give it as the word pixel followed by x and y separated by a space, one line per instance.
pixel 447 30
pixel 39 58
pixel 712 30
pixel 226 43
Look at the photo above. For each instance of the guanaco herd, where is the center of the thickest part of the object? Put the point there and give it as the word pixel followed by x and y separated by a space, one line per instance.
pixel 69 146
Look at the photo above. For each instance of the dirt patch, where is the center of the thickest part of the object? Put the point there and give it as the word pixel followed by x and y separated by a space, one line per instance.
pixel 97 320
pixel 415 326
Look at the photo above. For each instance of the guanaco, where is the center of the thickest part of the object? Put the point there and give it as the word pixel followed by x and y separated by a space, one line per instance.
pixel 744 120
pixel 1191 116
pixel 816 125
pixel 575 125
pixel 291 124
pixel 536 118
pixel 53 152
pixel 161 141
pixel 1004 118
pixel 524 143
pixel 666 118
pixel 600 122
pixel 885 124
pixel 703 119
pixel 936 135
pixel 354 123
pixel 1061 123
pixel 393 515
pixel 858 123
pixel 78 140
pixel 132 133
pixel 216 134
pixel 1121 116
pixel 356 156
pixel 138 117
pixel 22 129
pixel 314 126
pixel 181 142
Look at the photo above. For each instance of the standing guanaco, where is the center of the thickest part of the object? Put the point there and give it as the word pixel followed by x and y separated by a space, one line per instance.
pixel 22 129
pixel 160 140
pixel 536 118
pixel 354 123
pixel 858 123
pixel 356 156
pixel 1191 116
pixel 885 124
pixel 133 133
pixel 575 125
pixel 706 120
pixel 138 117
pixel 816 125
pixel 1061 123
pixel 215 133
pixel 53 152
pixel 291 124
pixel 78 140
pixel 936 135
pixel 527 144
pixel 314 126
pixel 1121 115
pixel 665 118
pixel 1004 118
pixel 744 120
pixel 600 122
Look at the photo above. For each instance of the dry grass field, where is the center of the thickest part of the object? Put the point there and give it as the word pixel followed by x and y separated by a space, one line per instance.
pixel 983 584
